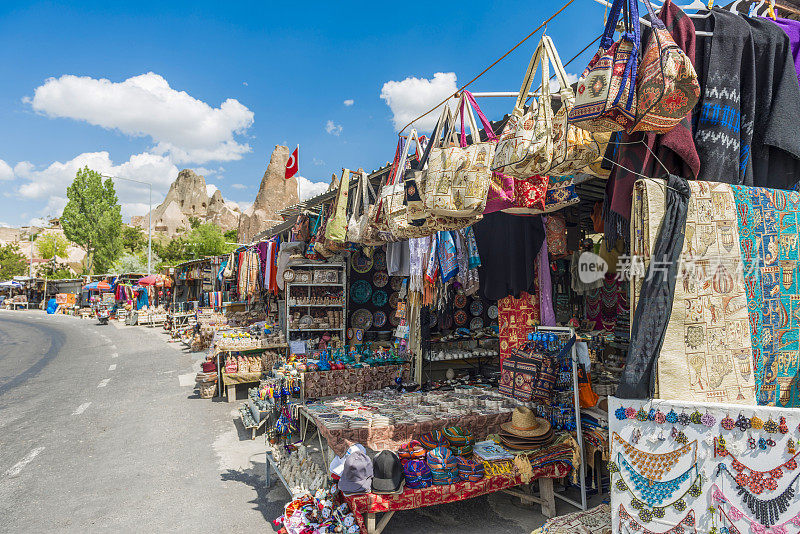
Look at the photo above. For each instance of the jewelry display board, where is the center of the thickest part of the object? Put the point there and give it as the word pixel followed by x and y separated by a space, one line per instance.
pixel 703 467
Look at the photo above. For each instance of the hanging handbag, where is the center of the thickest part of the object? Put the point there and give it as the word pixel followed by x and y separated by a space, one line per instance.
pixel 336 229
pixel 586 395
pixel 377 232
pixel 397 211
pixel 556 230
pixel 300 231
pixel 606 99
pixel 540 141
pixel 501 193
pixel 359 219
pixel 457 181
pixel 529 195
pixel 666 85
pixel 311 253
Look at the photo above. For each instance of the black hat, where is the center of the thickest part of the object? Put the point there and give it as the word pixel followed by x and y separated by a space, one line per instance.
pixel 387 473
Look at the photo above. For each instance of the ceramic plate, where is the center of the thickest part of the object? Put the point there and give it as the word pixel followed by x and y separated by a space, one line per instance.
pixel 379 318
pixel 380 260
pixel 476 308
pixel 394 298
pixel 394 320
pixel 460 300
pixel 361 263
pixel 360 291
pixel 397 283
pixel 461 317
pixel 476 323
pixel 492 312
pixel 361 318
pixel 380 279
pixel 380 298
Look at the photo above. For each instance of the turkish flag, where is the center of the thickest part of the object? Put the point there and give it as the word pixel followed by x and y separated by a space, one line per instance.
pixel 292 164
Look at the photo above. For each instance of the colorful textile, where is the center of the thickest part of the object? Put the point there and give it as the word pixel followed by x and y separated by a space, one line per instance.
pixel 604 305
pixel 706 352
pixel 344 381
pixel 419 498
pixel 516 319
pixel 446 250
pixel 768 225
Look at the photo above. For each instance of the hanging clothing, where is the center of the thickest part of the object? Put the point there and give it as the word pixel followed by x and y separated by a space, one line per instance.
pixel 776 137
pixel 545 286
pixel 654 307
pixel 418 248
pixel 508 246
pixel 792 29
pixel 723 119
pixel 398 258
pixel 645 152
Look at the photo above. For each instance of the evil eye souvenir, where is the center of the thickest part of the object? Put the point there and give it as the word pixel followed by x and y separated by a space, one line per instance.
pixel 743 423
pixel 696 418
pixel 671 417
pixel 620 413
pixel 659 417
pixel 727 423
pixel 771 426
pixel 708 420
pixel 756 423
pixel 683 419
pixel 783 428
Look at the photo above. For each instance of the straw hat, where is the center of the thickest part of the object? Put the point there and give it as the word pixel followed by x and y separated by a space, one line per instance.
pixel 525 424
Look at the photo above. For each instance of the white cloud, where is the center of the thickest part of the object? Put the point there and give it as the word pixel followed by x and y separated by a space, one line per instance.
pixel 130 209
pixel 210 188
pixel 40 222
pixel 181 126
pixel 349 102
pixel 6 172
pixel 307 189
pixel 412 97
pixel 317 162
pixel 571 78
pixel 239 186
pixel 333 128
pixel 244 83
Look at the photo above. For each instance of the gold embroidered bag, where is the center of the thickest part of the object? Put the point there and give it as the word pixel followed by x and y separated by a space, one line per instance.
pixel 458 177
pixel 540 141
pixel 336 231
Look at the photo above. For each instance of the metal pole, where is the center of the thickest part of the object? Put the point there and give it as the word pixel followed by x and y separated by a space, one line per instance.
pixel 150 230
pixel 30 264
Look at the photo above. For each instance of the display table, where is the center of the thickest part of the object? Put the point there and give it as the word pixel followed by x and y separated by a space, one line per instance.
pixel 319 384
pixel 365 506
pixel 393 436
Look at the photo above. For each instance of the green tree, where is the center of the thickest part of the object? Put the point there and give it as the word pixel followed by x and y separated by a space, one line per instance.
pixel 232 236
pixel 134 262
pixel 207 239
pixel 53 270
pixel 50 246
pixel 12 263
pixel 172 252
pixel 133 239
pixel 92 219
pixel 194 222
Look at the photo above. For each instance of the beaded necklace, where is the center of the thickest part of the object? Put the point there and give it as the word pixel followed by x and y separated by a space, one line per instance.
pixel 646 514
pixel 683 527
pixel 734 515
pixel 654 493
pixel 652 465
pixel 756 481
pixel 767 511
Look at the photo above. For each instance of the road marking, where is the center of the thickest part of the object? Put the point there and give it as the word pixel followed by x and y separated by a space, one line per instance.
pixel 82 408
pixel 186 380
pixel 105 338
pixel 17 467
pixel 103 383
pixel 112 367
pixel 114 354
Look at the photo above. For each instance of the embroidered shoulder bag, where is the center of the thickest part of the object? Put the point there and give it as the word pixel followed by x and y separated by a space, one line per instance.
pixel 606 99
pixel 336 229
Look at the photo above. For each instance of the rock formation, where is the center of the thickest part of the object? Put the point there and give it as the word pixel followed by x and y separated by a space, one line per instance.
pixel 274 194
pixel 188 197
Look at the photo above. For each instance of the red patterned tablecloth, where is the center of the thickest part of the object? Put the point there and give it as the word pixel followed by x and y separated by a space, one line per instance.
pixel 392 437
pixel 344 381
pixel 419 498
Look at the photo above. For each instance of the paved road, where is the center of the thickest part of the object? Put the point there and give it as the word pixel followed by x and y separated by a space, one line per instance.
pixel 101 430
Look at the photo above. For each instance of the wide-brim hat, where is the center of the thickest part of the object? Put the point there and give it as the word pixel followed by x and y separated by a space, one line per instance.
pixel 524 423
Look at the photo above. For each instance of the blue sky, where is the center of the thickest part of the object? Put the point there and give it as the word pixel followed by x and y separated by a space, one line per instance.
pixel 143 89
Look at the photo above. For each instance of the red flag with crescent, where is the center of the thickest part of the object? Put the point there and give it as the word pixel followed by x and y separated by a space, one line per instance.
pixel 292 164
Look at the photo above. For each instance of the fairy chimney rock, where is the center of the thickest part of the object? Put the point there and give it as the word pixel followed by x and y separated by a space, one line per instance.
pixel 274 194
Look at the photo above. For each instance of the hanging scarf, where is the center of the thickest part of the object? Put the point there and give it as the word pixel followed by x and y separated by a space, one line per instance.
pixel 545 286
pixel 446 251
pixel 417 249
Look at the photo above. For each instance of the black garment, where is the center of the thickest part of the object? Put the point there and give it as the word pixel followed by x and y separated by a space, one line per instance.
pixel 654 307
pixel 508 245
pixel 776 135
pixel 723 118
